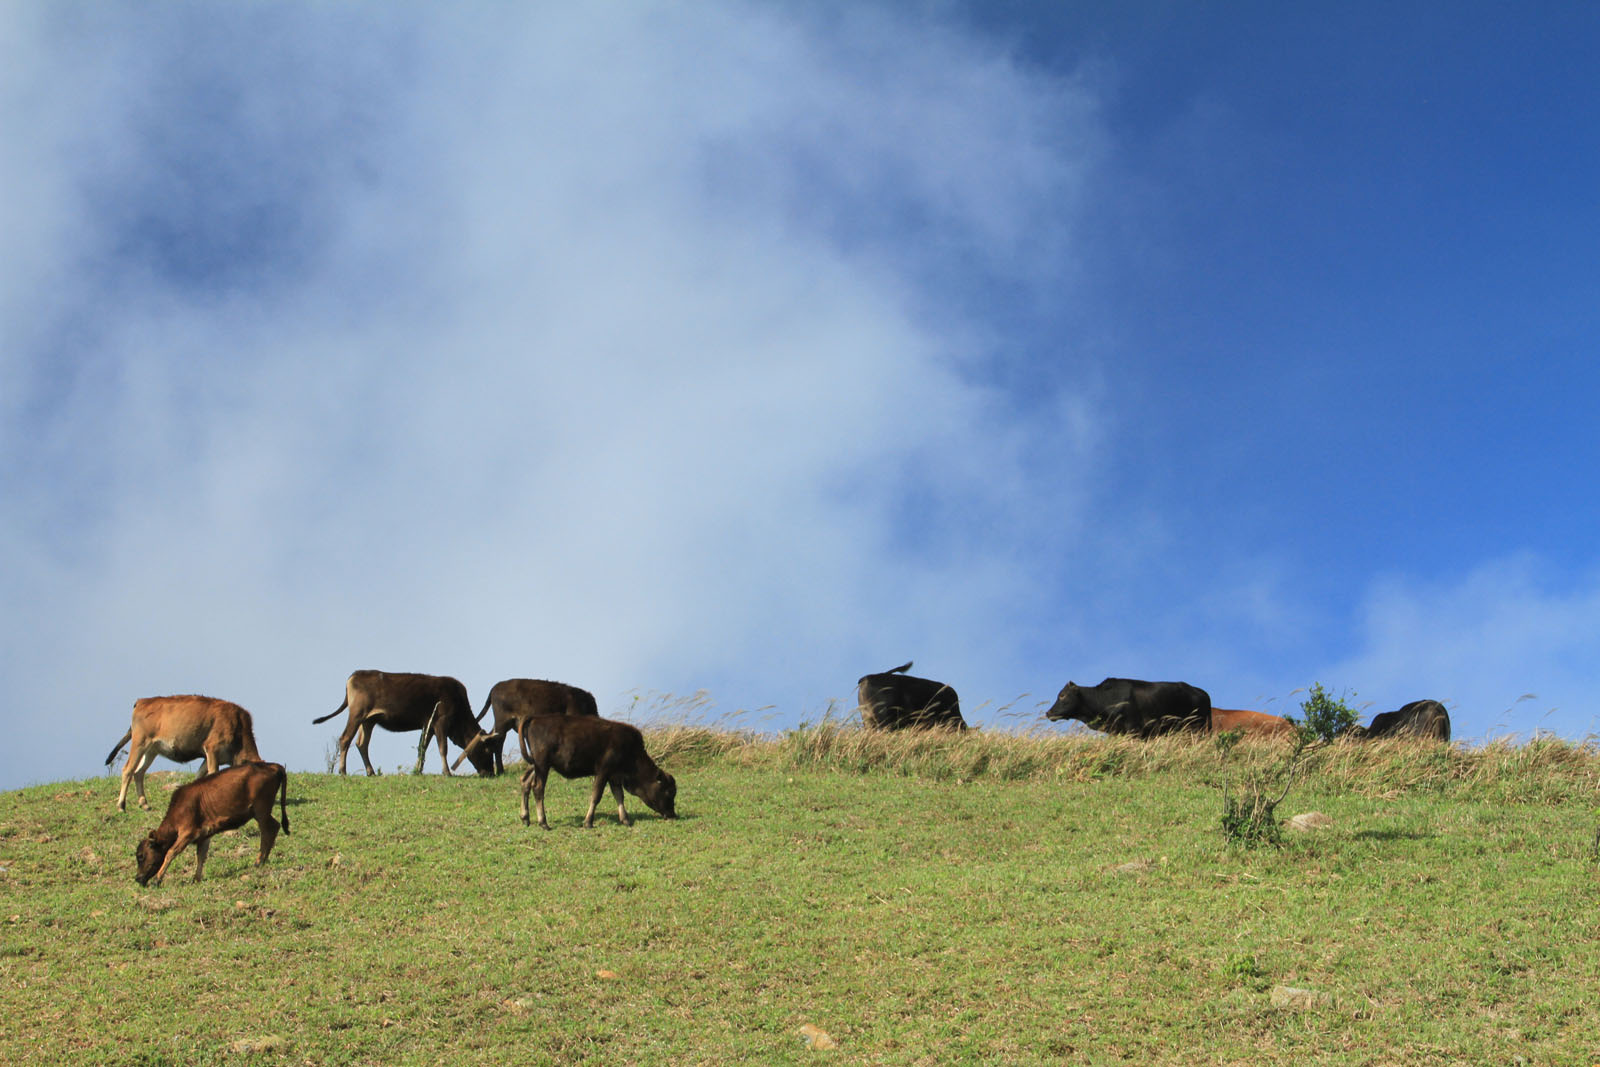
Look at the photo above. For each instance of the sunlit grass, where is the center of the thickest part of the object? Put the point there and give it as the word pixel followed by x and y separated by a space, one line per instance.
pixel 1029 896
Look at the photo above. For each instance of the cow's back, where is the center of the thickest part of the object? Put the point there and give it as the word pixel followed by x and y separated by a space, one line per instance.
pixel 521 697
pixel 404 694
pixel 184 726
pixel 575 745
pixel 892 699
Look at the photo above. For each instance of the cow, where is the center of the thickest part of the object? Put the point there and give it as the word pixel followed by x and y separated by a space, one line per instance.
pixel 221 801
pixel 1129 706
pixel 517 698
pixel 402 702
pixel 1420 718
pixel 183 728
pixel 894 700
pixel 579 746
pixel 1253 723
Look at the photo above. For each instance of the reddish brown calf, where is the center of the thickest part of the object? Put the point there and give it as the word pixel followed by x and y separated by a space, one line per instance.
pixel 222 801
pixel 1253 723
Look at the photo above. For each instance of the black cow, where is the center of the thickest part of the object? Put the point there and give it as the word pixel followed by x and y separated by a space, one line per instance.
pixel 894 700
pixel 1420 718
pixel 517 698
pixel 1129 706
pixel 578 746
pixel 401 702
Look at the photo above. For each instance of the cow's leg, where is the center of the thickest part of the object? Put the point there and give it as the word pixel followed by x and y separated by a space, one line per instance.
pixel 134 755
pixel 539 776
pixel 363 739
pixel 212 762
pixel 348 734
pixel 201 848
pixel 269 833
pixel 146 757
pixel 622 813
pixel 178 846
pixel 444 752
pixel 527 784
pixel 595 794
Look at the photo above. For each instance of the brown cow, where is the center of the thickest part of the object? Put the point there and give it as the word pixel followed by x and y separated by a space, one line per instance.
pixel 401 702
pixel 183 728
pixel 517 698
pixel 578 746
pixel 222 801
pixel 1253 723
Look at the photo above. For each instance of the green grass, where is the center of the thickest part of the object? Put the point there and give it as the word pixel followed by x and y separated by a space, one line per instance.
pixel 933 899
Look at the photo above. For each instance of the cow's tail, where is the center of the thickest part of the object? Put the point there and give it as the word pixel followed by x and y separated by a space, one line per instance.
pixel 283 800
pixel 345 703
pixel 486 702
pixel 522 741
pixel 125 739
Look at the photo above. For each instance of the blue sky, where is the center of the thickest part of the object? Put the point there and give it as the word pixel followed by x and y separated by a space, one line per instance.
pixel 751 348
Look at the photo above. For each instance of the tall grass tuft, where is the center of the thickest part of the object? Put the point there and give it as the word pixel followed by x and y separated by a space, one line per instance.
pixel 1545 770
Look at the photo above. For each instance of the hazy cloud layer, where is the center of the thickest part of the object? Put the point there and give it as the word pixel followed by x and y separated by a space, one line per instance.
pixel 626 346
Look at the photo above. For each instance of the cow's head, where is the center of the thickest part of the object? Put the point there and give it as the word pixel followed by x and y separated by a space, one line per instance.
pixel 479 748
pixel 1069 704
pixel 657 789
pixel 149 855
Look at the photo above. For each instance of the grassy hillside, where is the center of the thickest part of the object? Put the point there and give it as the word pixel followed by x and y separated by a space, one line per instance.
pixel 940 899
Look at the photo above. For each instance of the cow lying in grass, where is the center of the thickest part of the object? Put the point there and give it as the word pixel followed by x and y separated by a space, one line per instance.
pixel 579 746
pixel 1424 719
pixel 183 728
pixel 222 801
pixel 894 700
pixel 1253 723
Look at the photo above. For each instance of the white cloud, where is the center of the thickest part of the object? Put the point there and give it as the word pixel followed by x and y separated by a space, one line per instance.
pixel 623 345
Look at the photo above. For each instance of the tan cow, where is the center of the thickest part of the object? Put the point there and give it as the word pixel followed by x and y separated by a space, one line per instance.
pixel 184 728
pixel 222 801
pixel 1253 723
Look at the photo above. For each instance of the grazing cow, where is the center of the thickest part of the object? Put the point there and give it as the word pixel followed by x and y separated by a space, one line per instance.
pixel 578 746
pixel 401 702
pixel 1420 718
pixel 517 698
pixel 1128 706
pixel 893 700
pixel 1253 723
pixel 222 801
pixel 183 728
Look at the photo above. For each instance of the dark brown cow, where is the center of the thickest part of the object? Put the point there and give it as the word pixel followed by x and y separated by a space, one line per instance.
pixel 578 746
pixel 1253 723
pixel 517 698
pixel 894 700
pixel 1421 719
pixel 222 801
pixel 401 702
pixel 183 728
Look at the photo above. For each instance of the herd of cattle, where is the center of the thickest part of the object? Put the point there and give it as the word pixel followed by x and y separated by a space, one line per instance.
pixel 559 728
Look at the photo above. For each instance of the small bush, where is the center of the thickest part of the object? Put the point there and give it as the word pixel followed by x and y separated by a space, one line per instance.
pixel 1252 820
pixel 1325 717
